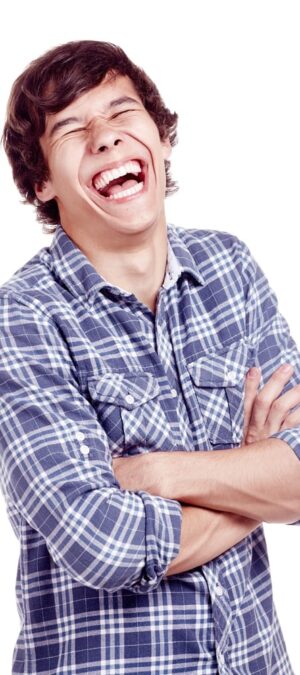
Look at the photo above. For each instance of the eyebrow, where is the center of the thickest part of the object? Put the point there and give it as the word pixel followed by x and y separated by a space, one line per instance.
pixel 70 120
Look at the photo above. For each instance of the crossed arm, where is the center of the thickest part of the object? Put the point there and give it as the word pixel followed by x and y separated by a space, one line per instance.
pixel 227 494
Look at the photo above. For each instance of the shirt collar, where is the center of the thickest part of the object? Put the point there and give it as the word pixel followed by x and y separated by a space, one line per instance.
pixel 180 259
pixel 72 267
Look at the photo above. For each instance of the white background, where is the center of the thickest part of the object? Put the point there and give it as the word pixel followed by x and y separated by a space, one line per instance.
pixel 231 71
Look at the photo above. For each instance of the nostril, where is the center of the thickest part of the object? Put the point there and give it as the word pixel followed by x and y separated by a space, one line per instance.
pixel 102 148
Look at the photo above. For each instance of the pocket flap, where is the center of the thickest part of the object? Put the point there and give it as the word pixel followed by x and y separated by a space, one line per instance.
pixel 220 369
pixel 124 389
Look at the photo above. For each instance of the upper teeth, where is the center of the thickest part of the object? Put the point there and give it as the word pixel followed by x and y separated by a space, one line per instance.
pixel 105 177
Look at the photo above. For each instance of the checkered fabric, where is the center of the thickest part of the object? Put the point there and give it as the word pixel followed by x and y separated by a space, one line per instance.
pixel 88 373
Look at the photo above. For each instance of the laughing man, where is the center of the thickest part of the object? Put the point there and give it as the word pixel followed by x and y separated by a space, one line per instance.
pixel 136 474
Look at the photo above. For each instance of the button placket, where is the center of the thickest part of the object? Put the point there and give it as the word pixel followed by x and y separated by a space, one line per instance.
pixel 219 590
pixel 221 659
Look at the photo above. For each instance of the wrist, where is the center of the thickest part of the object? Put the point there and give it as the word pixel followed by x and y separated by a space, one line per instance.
pixel 186 477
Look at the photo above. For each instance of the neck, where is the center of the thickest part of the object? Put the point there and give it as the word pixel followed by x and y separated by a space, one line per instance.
pixel 140 271
pixel 137 266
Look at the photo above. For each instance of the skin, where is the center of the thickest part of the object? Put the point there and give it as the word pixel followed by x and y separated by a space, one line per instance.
pixel 259 480
pixel 126 241
pixel 230 497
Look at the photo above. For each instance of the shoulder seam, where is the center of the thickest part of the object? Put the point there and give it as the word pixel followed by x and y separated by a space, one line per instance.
pixel 8 293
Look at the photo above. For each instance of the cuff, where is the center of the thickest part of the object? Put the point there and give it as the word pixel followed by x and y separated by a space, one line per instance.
pixel 291 437
pixel 162 539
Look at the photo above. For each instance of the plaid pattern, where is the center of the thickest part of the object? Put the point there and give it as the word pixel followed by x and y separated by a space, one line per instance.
pixel 87 373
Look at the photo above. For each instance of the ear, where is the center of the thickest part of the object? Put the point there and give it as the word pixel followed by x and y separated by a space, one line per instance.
pixel 166 148
pixel 45 191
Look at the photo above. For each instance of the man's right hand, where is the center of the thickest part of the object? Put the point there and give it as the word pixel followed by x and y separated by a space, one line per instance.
pixel 268 411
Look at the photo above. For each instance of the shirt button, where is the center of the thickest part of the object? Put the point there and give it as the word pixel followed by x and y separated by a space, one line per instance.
pixel 84 449
pixel 173 393
pixel 221 659
pixel 129 398
pixel 79 435
pixel 231 375
pixel 219 590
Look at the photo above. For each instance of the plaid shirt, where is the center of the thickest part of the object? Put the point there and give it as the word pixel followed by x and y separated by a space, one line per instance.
pixel 87 373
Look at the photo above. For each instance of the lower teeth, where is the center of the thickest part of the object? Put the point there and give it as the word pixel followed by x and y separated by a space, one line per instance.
pixel 127 193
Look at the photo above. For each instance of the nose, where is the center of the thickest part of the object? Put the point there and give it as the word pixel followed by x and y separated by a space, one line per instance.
pixel 103 137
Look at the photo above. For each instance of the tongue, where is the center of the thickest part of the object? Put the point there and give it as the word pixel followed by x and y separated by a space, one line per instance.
pixel 113 189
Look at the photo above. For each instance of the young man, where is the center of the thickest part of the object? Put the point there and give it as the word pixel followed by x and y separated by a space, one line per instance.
pixel 123 341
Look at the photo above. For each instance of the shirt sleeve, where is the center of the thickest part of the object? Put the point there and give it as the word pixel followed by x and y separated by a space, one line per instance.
pixel 103 536
pixel 268 334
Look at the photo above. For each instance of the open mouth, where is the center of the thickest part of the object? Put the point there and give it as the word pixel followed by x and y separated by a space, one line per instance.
pixel 121 182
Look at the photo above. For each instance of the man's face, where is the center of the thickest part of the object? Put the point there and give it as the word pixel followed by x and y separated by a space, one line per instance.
pixel 106 163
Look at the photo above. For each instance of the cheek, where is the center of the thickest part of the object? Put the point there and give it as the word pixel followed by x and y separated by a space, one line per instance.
pixel 64 165
pixel 145 132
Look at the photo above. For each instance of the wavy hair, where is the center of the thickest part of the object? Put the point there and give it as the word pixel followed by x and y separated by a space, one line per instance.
pixel 48 85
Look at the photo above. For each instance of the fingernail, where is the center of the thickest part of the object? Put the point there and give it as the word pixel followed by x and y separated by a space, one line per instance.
pixel 286 368
pixel 253 372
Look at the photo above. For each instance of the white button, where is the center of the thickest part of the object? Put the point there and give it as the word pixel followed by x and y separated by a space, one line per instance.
pixel 174 393
pixel 219 590
pixel 231 374
pixel 84 449
pixel 221 659
pixel 80 435
pixel 129 398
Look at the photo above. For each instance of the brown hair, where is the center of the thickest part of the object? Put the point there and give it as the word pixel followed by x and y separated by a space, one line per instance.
pixel 48 85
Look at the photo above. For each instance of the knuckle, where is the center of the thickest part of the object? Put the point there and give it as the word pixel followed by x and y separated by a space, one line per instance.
pixel 278 406
pixel 262 401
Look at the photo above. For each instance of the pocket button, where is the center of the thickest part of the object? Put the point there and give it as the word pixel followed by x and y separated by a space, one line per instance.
pixel 129 398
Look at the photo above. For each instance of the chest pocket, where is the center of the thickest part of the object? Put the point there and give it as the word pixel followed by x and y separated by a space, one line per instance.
pixel 219 379
pixel 129 410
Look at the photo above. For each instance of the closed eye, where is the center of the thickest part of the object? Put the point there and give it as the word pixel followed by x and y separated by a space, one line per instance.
pixel 74 131
pixel 122 112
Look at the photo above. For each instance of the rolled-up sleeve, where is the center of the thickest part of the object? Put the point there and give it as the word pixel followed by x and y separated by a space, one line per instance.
pixel 268 334
pixel 103 536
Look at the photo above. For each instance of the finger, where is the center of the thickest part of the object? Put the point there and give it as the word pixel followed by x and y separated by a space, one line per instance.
pixel 268 394
pixel 281 408
pixel 251 387
pixel 292 420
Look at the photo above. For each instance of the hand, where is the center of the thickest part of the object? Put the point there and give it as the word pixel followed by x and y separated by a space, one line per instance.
pixel 266 411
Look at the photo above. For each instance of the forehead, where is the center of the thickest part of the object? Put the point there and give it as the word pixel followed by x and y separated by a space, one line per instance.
pixel 99 99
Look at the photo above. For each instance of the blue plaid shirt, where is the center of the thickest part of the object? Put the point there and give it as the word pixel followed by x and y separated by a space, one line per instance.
pixel 88 373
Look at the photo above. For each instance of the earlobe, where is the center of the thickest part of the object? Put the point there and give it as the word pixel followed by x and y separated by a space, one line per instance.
pixel 45 191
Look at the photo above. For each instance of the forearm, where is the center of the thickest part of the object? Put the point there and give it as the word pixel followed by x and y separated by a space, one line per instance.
pixel 205 534
pixel 260 481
